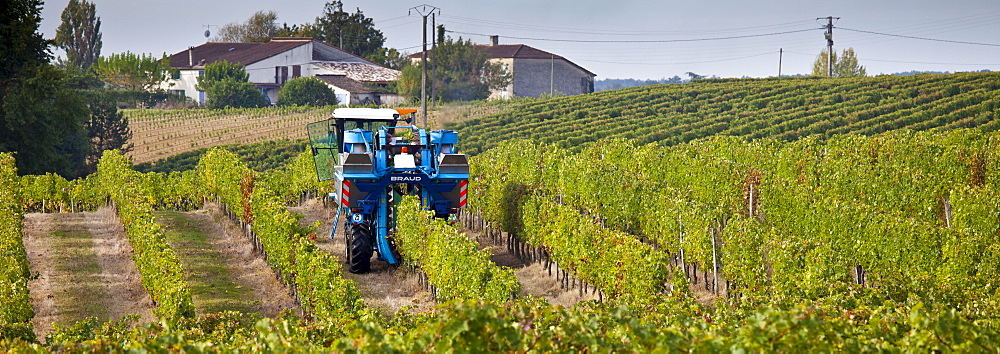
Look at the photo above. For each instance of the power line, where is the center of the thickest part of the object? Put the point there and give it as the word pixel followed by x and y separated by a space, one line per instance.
pixel 924 62
pixel 695 62
pixel 901 61
pixel 921 38
pixel 643 41
pixel 516 26
pixel 394 18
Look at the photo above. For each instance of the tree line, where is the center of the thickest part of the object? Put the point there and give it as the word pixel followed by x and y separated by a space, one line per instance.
pixel 462 71
pixel 55 115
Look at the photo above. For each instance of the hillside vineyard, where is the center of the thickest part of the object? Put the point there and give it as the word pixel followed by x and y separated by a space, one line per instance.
pixel 785 109
pixel 722 215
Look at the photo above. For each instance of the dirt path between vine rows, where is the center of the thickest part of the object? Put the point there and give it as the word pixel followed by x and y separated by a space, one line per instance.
pixel 391 288
pixel 84 267
pixel 386 287
pixel 220 266
pixel 536 280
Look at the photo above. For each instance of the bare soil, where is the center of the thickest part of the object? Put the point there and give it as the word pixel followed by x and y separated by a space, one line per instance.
pixel 246 269
pixel 536 280
pixel 165 136
pixel 386 287
pixel 161 137
pixel 77 280
pixel 391 288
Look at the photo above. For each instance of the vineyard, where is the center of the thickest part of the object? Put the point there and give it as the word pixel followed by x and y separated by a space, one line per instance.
pixel 784 109
pixel 724 215
pixel 160 134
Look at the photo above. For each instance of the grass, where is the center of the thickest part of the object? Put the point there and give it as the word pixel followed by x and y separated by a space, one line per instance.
pixel 84 294
pixel 213 284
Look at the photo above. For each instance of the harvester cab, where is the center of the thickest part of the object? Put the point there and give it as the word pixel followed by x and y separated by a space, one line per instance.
pixel 375 155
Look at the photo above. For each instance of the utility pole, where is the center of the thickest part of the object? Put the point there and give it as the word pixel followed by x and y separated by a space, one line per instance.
pixel 424 11
pixel 552 76
pixel 434 65
pixel 829 43
pixel 781 53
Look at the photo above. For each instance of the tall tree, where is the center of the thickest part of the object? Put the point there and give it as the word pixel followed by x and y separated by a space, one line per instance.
pixel 844 65
pixel 260 27
pixel 390 58
pixel 80 33
pixel 21 46
pixel 129 71
pixel 107 129
pixel 41 117
pixel 354 33
pixel 464 73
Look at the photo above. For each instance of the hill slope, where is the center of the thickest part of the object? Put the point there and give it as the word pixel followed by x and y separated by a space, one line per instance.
pixel 786 108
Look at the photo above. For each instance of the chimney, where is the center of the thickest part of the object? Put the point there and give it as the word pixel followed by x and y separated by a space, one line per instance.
pixel 190 56
pixel 495 40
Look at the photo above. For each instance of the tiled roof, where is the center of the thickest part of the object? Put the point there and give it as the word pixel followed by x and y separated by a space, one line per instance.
pixel 249 53
pixel 361 71
pixel 243 53
pixel 345 83
pixel 516 51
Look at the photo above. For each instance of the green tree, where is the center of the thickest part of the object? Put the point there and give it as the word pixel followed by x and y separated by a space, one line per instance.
pixel 354 33
pixel 260 27
pixel 21 46
pixel 41 117
pixel 464 73
pixel 844 65
pixel 79 34
pixel 232 94
pixel 107 129
pixel 390 58
pixel 303 30
pixel 222 71
pixel 226 85
pixel 306 91
pixel 128 71
pixel 408 84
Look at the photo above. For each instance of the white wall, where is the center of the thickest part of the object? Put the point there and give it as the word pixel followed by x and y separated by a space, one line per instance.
pixel 187 82
pixel 263 71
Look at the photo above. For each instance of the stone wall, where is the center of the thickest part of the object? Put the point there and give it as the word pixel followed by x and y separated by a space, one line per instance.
pixel 534 77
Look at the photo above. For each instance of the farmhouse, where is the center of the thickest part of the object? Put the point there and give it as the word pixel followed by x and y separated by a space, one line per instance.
pixel 536 72
pixel 273 63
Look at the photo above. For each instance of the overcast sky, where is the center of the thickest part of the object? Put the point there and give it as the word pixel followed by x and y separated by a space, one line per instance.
pixel 626 30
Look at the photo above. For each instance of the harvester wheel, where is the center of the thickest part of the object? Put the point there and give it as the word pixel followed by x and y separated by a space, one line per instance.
pixel 360 248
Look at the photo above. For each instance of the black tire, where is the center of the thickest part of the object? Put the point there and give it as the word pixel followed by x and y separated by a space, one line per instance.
pixel 360 248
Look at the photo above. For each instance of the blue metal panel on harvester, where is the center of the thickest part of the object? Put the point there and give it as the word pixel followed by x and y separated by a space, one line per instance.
pixel 444 137
pixel 358 136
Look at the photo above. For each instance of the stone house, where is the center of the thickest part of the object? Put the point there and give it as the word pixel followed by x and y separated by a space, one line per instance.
pixel 536 72
pixel 271 64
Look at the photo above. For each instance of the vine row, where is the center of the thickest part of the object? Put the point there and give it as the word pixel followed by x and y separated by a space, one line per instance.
pixel 159 266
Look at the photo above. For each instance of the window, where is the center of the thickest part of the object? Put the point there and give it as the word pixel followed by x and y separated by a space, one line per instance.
pixel 175 74
pixel 280 74
pixel 296 70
